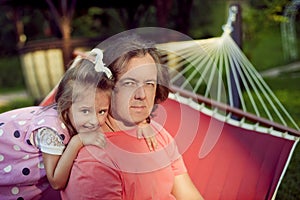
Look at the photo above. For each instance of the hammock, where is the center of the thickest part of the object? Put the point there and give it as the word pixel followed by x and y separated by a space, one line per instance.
pixel 230 153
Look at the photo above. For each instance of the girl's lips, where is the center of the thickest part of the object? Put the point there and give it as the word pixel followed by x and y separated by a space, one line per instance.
pixel 92 128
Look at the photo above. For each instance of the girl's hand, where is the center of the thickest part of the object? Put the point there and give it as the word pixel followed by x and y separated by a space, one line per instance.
pixel 145 131
pixel 95 138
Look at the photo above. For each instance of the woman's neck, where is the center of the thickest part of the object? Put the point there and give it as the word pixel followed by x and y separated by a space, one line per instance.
pixel 113 125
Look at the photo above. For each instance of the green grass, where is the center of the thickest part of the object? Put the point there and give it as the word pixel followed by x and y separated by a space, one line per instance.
pixel 287 90
pixel 11 75
pixel 289 188
pixel 265 50
pixel 11 80
pixel 17 103
pixel 7 90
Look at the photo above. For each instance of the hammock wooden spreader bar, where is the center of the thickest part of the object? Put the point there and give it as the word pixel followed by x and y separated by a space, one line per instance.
pixel 235 111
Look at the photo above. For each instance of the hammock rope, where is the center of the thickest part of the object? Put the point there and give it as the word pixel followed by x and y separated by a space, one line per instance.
pixel 211 67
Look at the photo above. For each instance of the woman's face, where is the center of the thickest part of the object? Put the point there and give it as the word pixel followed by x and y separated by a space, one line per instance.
pixel 134 93
pixel 90 109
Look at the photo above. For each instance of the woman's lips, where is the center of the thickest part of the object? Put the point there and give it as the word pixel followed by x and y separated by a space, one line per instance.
pixel 138 108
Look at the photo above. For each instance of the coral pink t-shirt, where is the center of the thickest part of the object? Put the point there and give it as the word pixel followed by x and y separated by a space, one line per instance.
pixel 126 169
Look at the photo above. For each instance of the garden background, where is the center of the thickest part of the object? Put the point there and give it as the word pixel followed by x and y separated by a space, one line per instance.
pixel 25 21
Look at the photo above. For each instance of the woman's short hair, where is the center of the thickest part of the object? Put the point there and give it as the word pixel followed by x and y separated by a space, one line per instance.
pixel 119 52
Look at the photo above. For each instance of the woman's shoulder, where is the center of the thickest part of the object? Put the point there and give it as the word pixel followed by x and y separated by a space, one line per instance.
pixel 93 154
pixel 159 128
pixel 161 132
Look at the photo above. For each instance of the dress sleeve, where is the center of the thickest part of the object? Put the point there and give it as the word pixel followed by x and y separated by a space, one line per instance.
pixel 49 141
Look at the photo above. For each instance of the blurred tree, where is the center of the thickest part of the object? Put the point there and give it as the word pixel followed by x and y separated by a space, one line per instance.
pixel 60 14
pixel 183 15
pixel 64 19
pixel 267 13
pixel 8 37
pixel 163 9
pixel 63 12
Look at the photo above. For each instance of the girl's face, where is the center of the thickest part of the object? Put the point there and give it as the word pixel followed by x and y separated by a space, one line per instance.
pixel 90 109
pixel 134 93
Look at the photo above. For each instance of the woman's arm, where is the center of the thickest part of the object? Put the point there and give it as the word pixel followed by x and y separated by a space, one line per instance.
pixel 184 188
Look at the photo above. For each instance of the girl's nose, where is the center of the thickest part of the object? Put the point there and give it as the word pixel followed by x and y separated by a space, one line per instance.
pixel 94 121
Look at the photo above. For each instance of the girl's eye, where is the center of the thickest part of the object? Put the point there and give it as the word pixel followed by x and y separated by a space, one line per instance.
pixel 85 111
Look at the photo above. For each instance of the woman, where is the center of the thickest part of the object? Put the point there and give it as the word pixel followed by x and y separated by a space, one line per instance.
pixel 126 169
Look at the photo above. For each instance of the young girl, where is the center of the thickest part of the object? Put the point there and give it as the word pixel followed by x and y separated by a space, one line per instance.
pixel 34 153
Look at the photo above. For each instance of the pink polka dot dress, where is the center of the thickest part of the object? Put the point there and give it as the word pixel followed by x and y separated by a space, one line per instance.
pixel 24 134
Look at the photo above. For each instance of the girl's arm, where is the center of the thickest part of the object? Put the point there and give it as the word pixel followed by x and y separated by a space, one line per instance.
pixel 144 130
pixel 58 167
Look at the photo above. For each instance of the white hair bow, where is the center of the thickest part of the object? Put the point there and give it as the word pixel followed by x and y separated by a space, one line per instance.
pixel 99 65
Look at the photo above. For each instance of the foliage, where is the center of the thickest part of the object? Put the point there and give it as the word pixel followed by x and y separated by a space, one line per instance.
pixel 97 21
pixel 287 89
pixel 17 103
pixel 35 25
pixel 11 72
pixel 261 37
pixel 265 49
pixel 210 24
pixel 7 34
pixel 259 15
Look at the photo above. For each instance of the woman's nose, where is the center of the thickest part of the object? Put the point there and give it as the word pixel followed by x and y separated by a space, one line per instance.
pixel 140 93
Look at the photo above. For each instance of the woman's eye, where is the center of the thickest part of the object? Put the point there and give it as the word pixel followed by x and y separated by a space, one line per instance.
pixel 150 83
pixel 102 112
pixel 129 83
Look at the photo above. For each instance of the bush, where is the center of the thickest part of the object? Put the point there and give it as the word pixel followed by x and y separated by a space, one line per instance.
pixel 17 103
pixel 11 73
